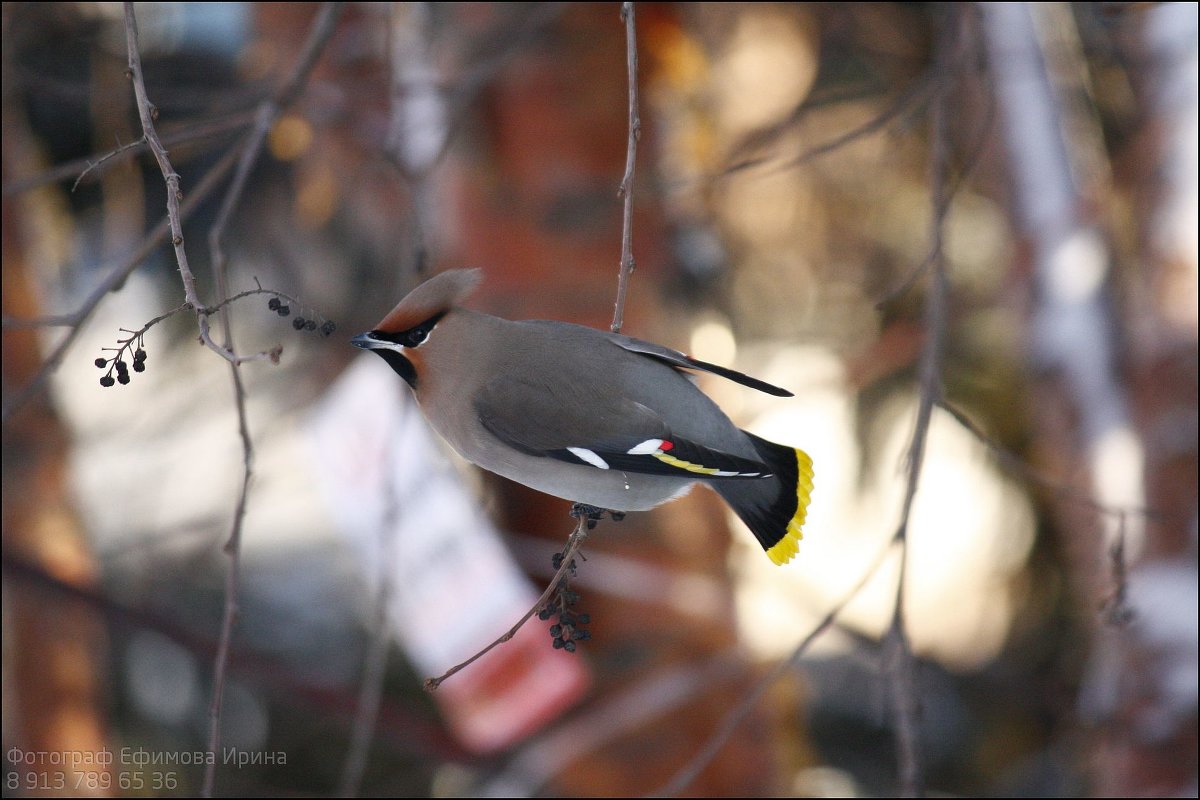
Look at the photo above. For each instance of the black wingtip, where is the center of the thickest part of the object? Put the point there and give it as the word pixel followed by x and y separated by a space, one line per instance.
pixel 739 377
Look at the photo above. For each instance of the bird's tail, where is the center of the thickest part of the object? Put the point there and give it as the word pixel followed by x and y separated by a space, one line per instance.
pixel 774 509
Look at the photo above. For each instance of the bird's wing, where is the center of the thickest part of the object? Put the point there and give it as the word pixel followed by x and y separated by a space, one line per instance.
pixel 599 430
pixel 682 361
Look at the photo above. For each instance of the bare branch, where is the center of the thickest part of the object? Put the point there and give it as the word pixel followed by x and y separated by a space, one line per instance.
pixel 232 580
pixel 101 163
pixel 972 160
pixel 574 542
pixel 1016 465
pixel 109 155
pixel 909 99
pixel 370 693
pixel 900 666
pixel 512 39
pixel 626 190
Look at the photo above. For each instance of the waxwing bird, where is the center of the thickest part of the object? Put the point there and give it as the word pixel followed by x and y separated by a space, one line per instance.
pixel 586 415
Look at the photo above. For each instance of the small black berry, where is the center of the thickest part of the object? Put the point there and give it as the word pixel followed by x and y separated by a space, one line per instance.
pixel 273 303
pixel 328 327
pixel 556 630
pixel 310 325
pixel 101 363
pixel 298 323
pixel 139 366
pixel 558 644
pixel 107 381
pixel 569 646
pixel 283 311
pixel 139 355
pixel 122 368
pixel 123 378
pixel 545 613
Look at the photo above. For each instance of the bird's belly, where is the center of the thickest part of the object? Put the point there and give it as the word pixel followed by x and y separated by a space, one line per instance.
pixel 605 488
pixel 611 489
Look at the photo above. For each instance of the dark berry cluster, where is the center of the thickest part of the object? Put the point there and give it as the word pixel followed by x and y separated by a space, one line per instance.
pixel 569 627
pixel 300 323
pixel 118 364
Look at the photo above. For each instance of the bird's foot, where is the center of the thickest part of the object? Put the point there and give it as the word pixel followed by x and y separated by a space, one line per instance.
pixel 594 514
pixel 584 510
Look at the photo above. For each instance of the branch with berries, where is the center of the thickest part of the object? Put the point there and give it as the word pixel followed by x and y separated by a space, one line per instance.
pixel 133 345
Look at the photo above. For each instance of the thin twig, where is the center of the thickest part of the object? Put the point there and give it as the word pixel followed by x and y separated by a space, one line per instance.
pixel 973 158
pixel 115 280
pixel 232 548
pixel 102 162
pixel 704 756
pixel 769 135
pixel 265 116
pixel 908 100
pixel 121 148
pixel 573 544
pixel 497 48
pixel 260 290
pixel 900 665
pixel 1116 608
pixel 1016 465
pixel 626 190
pixel 370 694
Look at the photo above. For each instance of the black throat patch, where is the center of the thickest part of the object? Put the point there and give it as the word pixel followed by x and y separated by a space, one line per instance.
pixel 400 364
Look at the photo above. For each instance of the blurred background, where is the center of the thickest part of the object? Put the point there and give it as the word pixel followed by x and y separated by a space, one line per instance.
pixel 804 171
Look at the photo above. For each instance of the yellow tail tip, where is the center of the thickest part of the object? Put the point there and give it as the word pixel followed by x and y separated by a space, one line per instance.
pixel 788 545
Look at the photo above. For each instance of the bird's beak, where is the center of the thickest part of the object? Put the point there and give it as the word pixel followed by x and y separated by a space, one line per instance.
pixel 364 340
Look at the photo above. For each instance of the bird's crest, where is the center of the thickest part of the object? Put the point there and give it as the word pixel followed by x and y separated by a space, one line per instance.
pixel 435 296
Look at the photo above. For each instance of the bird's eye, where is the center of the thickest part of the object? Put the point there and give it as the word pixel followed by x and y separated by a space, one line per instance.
pixel 417 334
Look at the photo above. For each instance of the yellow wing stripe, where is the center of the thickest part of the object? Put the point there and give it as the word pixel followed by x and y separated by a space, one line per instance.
pixel 689 466
pixel 789 545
